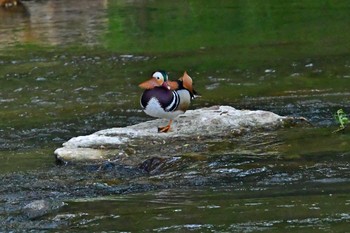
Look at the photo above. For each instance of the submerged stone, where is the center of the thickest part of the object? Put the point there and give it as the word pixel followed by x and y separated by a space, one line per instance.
pixel 131 144
pixel 39 208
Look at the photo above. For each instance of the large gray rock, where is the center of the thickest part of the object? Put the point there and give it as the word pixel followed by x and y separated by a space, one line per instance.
pixel 197 125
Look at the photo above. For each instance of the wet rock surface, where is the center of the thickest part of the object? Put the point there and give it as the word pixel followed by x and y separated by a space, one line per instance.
pixel 191 132
pixel 39 208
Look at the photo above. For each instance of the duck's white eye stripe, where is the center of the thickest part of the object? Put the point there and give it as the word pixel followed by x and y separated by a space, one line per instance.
pixel 158 75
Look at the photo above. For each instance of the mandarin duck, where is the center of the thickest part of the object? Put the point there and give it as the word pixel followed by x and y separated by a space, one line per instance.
pixel 166 99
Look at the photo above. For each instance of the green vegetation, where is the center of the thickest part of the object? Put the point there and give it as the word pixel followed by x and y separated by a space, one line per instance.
pixel 342 119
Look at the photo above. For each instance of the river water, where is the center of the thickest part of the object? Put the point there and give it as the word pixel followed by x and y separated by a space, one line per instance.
pixel 71 69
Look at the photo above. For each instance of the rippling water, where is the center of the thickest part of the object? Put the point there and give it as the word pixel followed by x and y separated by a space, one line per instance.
pixel 69 69
pixel 216 210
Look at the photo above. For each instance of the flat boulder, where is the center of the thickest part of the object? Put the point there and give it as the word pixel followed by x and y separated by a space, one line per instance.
pixel 135 143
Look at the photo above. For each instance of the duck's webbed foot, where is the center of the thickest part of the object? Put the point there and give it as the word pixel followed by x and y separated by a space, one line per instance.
pixel 166 128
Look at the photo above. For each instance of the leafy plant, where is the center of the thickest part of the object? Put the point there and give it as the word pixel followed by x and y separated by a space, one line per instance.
pixel 342 119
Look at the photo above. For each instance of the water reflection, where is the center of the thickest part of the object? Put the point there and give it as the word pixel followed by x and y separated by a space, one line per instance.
pixel 53 22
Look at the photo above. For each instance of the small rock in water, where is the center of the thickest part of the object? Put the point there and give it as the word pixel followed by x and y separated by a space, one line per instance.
pixel 309 65
pixel 36 209
pixel 40 79
pixel 270 71
pixel 39 208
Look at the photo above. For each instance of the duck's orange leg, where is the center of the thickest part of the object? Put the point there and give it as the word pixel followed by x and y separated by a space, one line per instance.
pixel 166 128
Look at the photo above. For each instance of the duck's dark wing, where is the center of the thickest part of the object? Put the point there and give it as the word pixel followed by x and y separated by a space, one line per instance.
pixel 164 96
